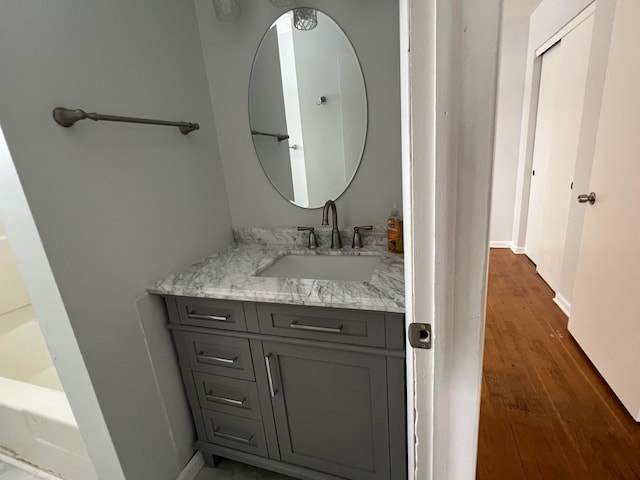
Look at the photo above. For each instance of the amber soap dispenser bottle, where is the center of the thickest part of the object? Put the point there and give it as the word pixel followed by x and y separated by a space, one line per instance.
pixel 394 231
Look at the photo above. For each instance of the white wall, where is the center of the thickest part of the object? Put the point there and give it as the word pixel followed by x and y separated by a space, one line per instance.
pixel 16 311
pixel 229 50
pixel 513 55
pixel 116 205
pixel 13 294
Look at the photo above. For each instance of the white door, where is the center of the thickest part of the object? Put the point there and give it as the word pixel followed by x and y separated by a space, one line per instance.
pixel 550 71
pixel 605 319
pixel 560 105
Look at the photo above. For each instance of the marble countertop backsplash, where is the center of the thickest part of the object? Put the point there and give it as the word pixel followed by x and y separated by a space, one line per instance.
pixel 230 273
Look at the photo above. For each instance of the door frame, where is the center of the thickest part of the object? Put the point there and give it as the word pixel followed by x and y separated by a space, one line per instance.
pixel 41 285
pixel 449 54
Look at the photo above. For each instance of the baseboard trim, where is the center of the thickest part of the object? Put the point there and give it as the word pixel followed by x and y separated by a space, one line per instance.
pixel 516 249
pixel 563 304
pixel 499 244
pixel 193 467
pixel 26 467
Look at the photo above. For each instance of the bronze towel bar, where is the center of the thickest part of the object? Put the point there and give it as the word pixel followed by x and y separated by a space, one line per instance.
pixel 66 118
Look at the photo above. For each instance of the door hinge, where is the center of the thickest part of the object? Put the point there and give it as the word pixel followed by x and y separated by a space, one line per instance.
pixel 420 335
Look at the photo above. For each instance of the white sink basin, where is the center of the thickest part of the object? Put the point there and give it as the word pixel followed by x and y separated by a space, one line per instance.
pixel 322 267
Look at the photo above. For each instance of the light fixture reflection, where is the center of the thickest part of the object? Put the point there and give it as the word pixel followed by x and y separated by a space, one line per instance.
pixel 282 3
pixel 226 10
pixel 305 18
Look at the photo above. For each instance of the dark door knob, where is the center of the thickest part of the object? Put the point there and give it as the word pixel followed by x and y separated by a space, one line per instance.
pixel 587 198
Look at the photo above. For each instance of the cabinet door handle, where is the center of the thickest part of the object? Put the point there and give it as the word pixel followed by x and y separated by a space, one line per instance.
pixel 228 436
pixel 201 355
pixel 314 328
pixel 232 401
pixel 272 390
pixel 215 318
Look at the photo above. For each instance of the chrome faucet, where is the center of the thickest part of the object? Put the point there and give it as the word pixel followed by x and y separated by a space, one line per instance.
pixel 336 241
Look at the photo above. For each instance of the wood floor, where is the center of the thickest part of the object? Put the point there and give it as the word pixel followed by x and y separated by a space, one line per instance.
pixel 545 413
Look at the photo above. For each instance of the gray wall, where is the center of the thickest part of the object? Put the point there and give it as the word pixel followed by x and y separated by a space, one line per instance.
pixel 229 49
pixel 117 206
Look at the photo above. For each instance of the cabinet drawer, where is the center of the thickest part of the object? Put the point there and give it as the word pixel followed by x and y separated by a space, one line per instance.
pixel 324 324
pixel 227 395
pixel 217 354
pixel 203 312
pixel 235 432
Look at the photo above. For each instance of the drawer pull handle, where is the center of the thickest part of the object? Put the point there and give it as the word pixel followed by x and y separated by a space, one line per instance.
pixel 202 356
pixel 228 436
pixel 215 318
pixel 232 401
pixel 313 328
pixel 272 390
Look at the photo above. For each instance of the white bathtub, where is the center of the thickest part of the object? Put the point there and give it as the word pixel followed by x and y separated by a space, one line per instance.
pixel 36 422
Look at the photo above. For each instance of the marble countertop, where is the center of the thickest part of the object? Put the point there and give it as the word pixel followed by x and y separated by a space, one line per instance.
pixel 230 274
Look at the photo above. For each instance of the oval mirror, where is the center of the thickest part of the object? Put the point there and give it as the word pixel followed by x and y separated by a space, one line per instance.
pixel 307 107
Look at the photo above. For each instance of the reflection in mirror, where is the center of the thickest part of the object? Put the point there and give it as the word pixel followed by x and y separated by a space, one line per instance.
pixel 307 108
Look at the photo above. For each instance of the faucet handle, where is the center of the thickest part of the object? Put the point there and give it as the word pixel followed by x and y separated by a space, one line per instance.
pixel 357 238
pixel 313 241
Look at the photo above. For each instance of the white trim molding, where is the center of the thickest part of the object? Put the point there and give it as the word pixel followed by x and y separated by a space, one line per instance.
pixel 564 31
pixel 451 102
pixel 563 304
pixel 26 467
pixel 191 470
pixel 498 244
pixel 518 250
pixel 406 76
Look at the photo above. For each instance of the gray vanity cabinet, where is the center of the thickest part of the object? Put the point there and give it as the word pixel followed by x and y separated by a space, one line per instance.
pixel 331 409
pixel 314 393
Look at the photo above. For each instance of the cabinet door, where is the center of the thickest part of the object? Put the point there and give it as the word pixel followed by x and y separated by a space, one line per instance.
pixel 331 409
